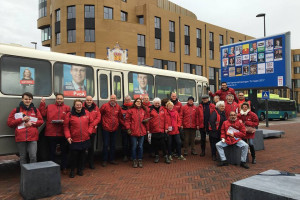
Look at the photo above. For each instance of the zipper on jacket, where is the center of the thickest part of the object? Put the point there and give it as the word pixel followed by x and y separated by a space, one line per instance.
pixel 26 127
pixel 140 122
pixel 80 129
pixel 58 117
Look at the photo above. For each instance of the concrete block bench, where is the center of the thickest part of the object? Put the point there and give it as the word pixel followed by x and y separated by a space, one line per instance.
pixel 233 154
pixel 39 180
pixel 259 140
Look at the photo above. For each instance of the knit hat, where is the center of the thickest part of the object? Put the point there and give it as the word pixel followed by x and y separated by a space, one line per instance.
pixel 191 98
pixel 205 96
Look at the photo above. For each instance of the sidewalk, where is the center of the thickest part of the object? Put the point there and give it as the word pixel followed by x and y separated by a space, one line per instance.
pixel 195 178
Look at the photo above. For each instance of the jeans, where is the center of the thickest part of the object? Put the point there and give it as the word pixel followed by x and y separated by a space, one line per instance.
pixel 220 147
pixel 53 141
pixel 30 147
pixel 137 146
pixel 189 137
pixel 91 150
pixel 125 143
pixel 174 139
pixel 109 140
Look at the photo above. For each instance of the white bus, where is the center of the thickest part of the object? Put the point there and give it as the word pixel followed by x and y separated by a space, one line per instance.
pixel 50 73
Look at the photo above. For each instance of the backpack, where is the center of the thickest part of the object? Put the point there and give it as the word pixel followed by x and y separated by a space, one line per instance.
pixel 18 110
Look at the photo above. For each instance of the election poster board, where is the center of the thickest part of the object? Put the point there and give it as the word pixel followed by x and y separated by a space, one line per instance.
pixel 258 63
pixel 27 75
pixel 74 80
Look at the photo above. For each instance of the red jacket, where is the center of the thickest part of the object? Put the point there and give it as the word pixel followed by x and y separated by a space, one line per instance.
pixel 25 134
pixel 189 115
pixel 78 128
pixel 237 136
pixel 231 107
pixel 158 121
pixel 54 112
pixel 240 102
pixel 110 116
pixel 95 116
pixel 222 94
pixel 133 121
pixel 177 121
pixel 124 110
pixel 177 106
pixel 201 113
pixel 250 119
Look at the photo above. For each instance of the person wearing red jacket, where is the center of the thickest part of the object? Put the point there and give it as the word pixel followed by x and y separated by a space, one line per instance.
pixel 136 125
pixel 230 105
pixel 145 100
pixel 250 119
pixel 125 136
pixel 158 128
pixel 241 100
pixel 232 132
pixel 177 104
pixel 223 92
pixel 189 115
pixel 25 119
pixel 174 124
pixel 95 116
pixel 111 114
pixel 204 112
pixel 55 115
pixel 78 127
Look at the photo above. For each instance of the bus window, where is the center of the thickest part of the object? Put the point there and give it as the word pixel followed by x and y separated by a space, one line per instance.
pixel 19 75
pixel 117 87
pixel 199 92
pixel 73 80
pixel 186 88
pixel 103 86
pixel 140 84
pixel 164 86
pixel 204 89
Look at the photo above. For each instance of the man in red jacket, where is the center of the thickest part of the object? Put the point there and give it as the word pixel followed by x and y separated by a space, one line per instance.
pixel 26 119
pixel 230 105
pixel 223 92
pixel 111 114
pixel 55 115
pixel 232 132
pixel 95 116
pixel 176 102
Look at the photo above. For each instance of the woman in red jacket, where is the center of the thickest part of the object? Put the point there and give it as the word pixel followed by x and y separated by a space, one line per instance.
pixel 250 119
pixel 77 129
pixel 26 119
pixel 136 125
pixel 174 123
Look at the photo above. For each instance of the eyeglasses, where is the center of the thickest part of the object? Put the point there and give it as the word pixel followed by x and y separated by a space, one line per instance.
pixel 232 115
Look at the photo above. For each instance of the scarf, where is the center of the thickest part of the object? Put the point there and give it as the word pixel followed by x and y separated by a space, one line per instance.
pixel 73 112
pixel 245 113
pixel 91 108
pixel 173 118
pixel 128 104
pixel 174 101
pixel 25 107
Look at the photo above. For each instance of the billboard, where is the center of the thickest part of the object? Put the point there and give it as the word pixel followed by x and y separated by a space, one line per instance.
pixel 259 63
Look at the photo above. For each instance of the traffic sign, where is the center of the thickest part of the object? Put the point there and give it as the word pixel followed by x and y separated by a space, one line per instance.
pixel 265 95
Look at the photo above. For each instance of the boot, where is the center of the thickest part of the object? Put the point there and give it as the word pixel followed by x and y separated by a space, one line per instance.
pixel 223 163
pixel 134 165
pixel 156 160
pixel 72 174
pixel 214 157
pixel 202 154
pixel 252 150
pixel 167 159
pixel 140 163
pixel 244 165
pixel 80 172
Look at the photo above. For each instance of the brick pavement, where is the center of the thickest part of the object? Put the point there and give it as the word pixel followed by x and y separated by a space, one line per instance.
pixel 195 178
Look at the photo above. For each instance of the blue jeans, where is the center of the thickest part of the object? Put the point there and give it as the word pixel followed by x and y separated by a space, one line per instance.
pixel 177 140
pixel 243 145
pixel 137 144
pixel 109 140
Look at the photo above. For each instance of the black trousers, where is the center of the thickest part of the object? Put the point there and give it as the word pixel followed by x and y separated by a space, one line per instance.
pixel 213 141
pixel 77 159
pixel 158 142
pixel 91 150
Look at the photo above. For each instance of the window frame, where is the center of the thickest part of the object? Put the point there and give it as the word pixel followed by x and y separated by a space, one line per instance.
pixel 70 12
pixel 108 9
pixel 87 14
pixel 195 88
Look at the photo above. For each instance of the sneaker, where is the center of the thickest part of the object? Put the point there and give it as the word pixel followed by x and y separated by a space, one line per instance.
pixel 170 158
pixel 135 164
pixel 175 155
pixel 194 153
pixel 185 153
pixel 181 158
pixel 156 160
pixel 113 162
pixel 72 174
pixel 104 163
pixel 244 165
pixel 140 163
pixel 167 159
pixel 125 159
pixel 223 163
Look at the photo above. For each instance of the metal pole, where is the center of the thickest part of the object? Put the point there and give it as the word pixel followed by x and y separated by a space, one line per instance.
pixel 265 25
pixel 267 116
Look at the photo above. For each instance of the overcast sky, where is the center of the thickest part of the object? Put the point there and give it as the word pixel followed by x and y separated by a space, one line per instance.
pixel 18 18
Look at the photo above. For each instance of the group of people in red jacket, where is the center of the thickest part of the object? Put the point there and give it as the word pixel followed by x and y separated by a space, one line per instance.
pixel 164 125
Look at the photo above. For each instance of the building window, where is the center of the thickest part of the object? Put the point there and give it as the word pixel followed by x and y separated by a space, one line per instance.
pixel 90 54
pixel 296 70
pixel 141 19
pixel 141 40
pixel 297 58
pixel 89 35
pixel 198 52
pixel 141 60
pixel 157 22
pixel 186 30
pixel 231 40
pixel 157 44
pixel 42 8
pixel 211 73
pixel 198 70
pixel 57 15
pixel 211 54
pixel 211 36
pixel 187 49
pixel 297 83
pixel 73 54
pixel 186 68
pixel 124 16
pixel 172 46
pixel 198 32
pixel 171 26
pixel 108 13
pixel 71 36
pixel 46 34
pixel 89 11
pixel 158 64
pixel 57 38
pixel 124 0
pixel 71 12
pixel 221 40
pixel 171 65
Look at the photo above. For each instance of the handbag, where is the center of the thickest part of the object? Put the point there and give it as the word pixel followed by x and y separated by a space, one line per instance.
pixel 250 130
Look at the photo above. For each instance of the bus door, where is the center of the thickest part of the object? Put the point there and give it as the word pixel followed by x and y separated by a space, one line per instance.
pixel 103 86
pixel 199 90
pixel 117 86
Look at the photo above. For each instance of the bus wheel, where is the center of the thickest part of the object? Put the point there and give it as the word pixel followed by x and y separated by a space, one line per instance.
pixel 286 116
pixel 262 117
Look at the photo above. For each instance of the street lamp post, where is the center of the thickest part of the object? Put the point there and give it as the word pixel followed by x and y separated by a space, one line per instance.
pixel 35 43
pixel 263 15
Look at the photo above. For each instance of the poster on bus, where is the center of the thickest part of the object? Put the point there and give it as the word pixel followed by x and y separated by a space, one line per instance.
pixel 261 63
pixel 141 86
pixel 27 75
pixel 74 80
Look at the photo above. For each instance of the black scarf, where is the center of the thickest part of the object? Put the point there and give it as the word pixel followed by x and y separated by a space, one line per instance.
pixel 91 108
pixel 73 112
pixel 25 107
pixel 174 101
